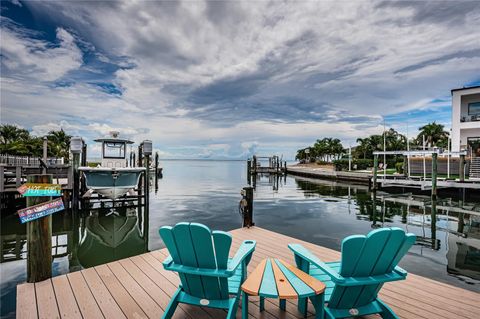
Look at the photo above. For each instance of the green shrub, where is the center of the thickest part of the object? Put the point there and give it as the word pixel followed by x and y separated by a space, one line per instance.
pixel 363 164
pixel 357 164
pixel 399 167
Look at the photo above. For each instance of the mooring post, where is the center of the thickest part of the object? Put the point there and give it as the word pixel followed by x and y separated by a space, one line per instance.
pixel 76 179
pixel 434 175
pixel 45 153
pixel 39 236
pixel 157 173
pixel 147 152
pixel 248 209
pixel 18 176
pixel 249 168
pixel 461 170
pixel 147 178
pixel 254 164
pixel 405 165
pixel 375 170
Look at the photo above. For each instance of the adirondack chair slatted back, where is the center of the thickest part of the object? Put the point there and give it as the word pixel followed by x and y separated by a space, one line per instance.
pixel 378 253
pixel 194 245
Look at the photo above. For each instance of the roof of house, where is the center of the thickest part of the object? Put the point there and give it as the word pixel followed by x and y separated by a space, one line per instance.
pixel 466 88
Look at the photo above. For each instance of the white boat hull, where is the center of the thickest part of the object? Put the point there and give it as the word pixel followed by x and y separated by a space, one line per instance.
pixel 111 182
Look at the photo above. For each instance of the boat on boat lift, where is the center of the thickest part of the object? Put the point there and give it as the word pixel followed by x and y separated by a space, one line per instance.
pixel 113 178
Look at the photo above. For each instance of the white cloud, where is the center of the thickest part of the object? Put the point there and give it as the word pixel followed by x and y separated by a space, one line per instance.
pixel 25 57
pixel 208 76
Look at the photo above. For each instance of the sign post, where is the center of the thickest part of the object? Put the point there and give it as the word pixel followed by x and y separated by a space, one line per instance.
pixel 39 232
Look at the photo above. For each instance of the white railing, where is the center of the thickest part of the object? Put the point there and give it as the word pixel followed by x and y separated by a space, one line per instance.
pixel 470 118
pixel 13 160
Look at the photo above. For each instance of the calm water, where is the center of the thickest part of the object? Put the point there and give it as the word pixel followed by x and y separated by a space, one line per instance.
pixel 322 212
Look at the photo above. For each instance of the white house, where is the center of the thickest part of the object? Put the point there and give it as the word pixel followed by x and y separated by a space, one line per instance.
pixel 466 120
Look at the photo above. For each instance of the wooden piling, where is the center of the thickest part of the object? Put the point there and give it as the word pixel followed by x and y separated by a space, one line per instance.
pixel 39 237
pixel 375 170
pixel 76 180
pixel 18 176
pixel 147 179
pixel 45 153
pixel 2 178
pixel 248 210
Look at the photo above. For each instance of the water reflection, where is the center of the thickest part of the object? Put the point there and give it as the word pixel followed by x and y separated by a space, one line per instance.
pixel 103 238
pixel 322 212
pixel 441 225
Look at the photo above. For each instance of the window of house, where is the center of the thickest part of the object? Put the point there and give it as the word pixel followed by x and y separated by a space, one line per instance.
pixel 474 108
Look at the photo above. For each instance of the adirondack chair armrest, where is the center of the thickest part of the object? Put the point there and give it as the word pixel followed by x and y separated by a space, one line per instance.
pixel 304 253
pixel 168 264
pixel 167 261
pixel 244 252
pixel 373 280
pixel 399 270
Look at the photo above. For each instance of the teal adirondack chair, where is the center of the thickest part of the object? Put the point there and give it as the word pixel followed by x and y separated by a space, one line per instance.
pixel 200 257
pixel 354 282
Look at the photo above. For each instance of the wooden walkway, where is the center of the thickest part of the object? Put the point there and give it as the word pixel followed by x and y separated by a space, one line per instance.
pixel 139 287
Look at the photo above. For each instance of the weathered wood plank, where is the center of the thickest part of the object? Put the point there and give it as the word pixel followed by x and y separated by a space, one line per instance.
pixel 148 305
pixel 26 301
pixel 66 302
pixel 104 299
pixel 46 301
pixel 84 297
pixel 128 305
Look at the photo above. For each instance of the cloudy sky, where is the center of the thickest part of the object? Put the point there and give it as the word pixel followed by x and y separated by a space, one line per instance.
pixel 228 79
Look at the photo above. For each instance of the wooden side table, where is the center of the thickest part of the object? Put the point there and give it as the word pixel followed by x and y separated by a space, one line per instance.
pixel 274 278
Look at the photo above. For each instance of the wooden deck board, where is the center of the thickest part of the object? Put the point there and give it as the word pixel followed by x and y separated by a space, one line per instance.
pixel 84 297
pixel 46 302
pixel 139 287
pixel 66 301
pixel 26 301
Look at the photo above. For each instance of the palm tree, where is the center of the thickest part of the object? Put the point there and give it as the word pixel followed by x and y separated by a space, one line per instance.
pixel 363 147
pixel 434 133
pixel 59 143
pixel 13 140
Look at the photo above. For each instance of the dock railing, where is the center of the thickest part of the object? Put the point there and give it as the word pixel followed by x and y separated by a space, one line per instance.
pixel 14 160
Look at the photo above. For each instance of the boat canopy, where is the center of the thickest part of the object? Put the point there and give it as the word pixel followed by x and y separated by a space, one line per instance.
pixel 113 140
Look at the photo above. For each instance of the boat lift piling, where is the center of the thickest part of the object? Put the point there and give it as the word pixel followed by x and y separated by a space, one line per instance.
pixel 76 148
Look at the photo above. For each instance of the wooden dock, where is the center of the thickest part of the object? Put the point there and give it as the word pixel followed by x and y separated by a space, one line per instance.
pixel 139 287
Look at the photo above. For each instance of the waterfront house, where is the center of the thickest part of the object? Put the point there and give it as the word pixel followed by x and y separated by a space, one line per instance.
pixel 466 120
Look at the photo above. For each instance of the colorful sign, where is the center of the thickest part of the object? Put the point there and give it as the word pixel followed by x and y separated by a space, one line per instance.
pixel 37 189
pixel 40 210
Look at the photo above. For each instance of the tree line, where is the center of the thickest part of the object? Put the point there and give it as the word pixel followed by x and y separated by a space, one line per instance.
pixel 18 141
pixel 329 149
